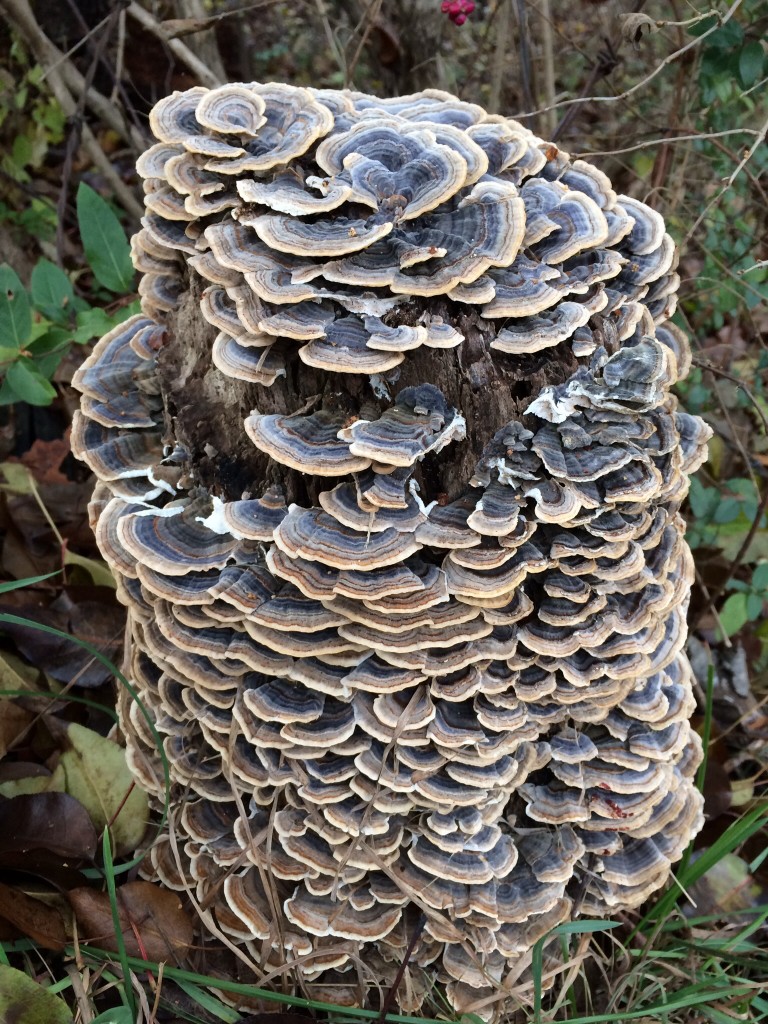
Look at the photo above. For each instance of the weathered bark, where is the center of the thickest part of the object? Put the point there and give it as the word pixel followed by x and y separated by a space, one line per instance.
pixel 206 409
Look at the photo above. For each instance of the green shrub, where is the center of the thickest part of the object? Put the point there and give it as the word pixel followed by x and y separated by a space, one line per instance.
pixel 38 325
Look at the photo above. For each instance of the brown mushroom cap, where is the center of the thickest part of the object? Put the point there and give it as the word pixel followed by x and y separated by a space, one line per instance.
pixel 304 441
pixel 312 534
pixel 418 423
pixel 401 166
pixel 344 349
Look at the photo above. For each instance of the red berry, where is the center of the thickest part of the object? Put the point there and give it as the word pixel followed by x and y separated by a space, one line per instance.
pixel 457 10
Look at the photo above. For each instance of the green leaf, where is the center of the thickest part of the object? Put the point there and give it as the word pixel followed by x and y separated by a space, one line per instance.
pixel 52 292
pixel 728 510
pixel 97 775
pixel 733 614
pixel 750 63
pixel 742 485
pixel 120 1015
pixel 8 355
pixel 23 1001
pixel 48 364
pixel 728 35
pixel 703 500
pixel 55 339
pixel 104 241
pixel 93 323
pixel 754 606
pixel 760 576
pixel 703 26
pixel 15 310
pixel 27 384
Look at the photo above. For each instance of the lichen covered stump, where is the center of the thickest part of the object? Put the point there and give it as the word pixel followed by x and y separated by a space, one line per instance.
pixel 389 478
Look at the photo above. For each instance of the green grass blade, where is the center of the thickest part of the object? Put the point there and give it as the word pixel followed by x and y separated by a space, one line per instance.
pixel 104 660
pixel 30 581
pixel 253 991
pixel 122 953
pixel 736 834
pixel 208 1002
pixel 102 708
pixel 537 956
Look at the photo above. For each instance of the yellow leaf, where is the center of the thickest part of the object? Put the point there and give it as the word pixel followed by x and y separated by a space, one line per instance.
pixel 97 775
pixel 24 1001
pixel 17 478
pixel 96 569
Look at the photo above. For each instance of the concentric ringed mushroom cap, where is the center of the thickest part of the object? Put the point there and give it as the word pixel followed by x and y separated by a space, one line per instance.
pixel 389 480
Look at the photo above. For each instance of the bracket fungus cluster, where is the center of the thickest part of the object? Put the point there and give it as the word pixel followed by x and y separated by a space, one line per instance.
pixel 390 477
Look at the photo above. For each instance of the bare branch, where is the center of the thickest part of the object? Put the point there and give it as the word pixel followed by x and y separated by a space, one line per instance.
pixel 55 63
pixel 177 48
pixel 670 59
pixel 760 138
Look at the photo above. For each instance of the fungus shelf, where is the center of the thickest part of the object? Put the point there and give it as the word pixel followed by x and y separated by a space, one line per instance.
pixel 389 477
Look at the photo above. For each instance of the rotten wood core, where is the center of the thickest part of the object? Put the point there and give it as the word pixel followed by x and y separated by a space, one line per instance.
pixel 205 409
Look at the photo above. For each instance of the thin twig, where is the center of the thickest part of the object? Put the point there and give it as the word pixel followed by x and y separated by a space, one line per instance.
pixel 114 73
pixel 204 44
pixel 180 50
pixel 56 65
pixel 367 24
pixel 760 138
pixel 666 140
pixel 710 607
pixel 75 133
pixel 501 56
pixel 670 59
pixel 525 59
pixel 548 76
pixel 332 41
pixel 119 55
pixel 390 996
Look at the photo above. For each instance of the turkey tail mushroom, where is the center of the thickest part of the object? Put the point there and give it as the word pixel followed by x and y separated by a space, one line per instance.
pixel 389 478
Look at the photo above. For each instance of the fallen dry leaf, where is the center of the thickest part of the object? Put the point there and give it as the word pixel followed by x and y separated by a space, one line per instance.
pixel 726 888
pixel 154 924
pixel 96 773
pixel 55 822
pixel 44 460
pixel 33 918
pixel 14 723
pixel 23 1001
pixel 100 623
